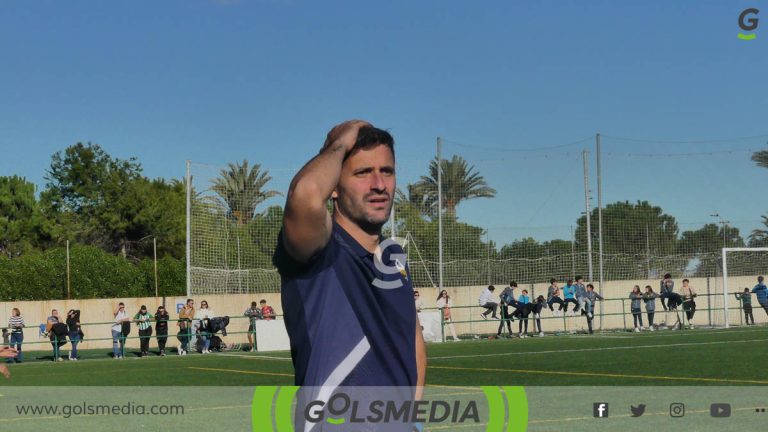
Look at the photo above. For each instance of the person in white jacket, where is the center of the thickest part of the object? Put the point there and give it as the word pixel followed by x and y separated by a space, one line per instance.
pixel 487 301
pixel 445 303
pixel 204 314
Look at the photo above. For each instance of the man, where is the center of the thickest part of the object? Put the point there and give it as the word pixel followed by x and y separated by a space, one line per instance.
pixel 186 314
pixel 762 293
pixel 348 304
pixel 253 313
pixel 689 304
pixel 486 301
pixel 118 340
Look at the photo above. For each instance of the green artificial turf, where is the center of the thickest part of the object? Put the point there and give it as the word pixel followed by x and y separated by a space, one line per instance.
pixel 689 357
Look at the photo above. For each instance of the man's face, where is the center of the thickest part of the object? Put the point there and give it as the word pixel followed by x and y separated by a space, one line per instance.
pixel 366 187
pixel 190 303
pixel 55 313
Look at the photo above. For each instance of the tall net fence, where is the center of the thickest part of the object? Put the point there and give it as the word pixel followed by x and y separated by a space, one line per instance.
pixel 524 215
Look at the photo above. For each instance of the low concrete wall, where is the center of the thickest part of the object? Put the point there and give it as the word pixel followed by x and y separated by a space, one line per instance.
pixel 96 314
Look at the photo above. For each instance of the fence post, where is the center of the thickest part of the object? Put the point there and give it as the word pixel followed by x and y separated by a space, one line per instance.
pixel 624 314
pixel 709 304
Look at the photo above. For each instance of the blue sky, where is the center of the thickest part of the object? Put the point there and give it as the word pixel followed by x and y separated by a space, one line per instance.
pixel 219 81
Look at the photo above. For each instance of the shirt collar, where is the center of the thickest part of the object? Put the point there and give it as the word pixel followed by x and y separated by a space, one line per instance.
pixel 350 241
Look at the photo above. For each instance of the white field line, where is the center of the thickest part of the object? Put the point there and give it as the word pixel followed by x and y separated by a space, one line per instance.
pixel 597 349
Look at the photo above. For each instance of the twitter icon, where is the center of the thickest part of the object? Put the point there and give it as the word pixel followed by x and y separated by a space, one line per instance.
pixel 637 411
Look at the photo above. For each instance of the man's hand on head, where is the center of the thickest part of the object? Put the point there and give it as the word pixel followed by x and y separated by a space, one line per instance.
pixel 344 135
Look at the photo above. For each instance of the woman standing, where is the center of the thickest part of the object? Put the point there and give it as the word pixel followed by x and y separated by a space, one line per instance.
pixel 637 315
pixel 161 328
pixel 16 326
pixel 650 305
pixel 445 303
pixel 204 314
pixel 73 331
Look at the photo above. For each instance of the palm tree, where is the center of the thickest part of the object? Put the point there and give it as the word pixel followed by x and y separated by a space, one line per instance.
pixel 759 237
pixel 460 182
pixel 242 189
pixel 761 158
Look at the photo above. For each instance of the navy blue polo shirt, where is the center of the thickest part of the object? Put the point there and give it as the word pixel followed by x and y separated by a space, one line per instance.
pixel 351 320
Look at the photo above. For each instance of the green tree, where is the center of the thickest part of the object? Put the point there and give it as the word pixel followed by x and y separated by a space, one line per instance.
pixel 760 158
pixel 632 235
pixel 89 195
pixel 703 247
pixel 759 237
pixel 461 182
pixel 22 225
pixel 242 189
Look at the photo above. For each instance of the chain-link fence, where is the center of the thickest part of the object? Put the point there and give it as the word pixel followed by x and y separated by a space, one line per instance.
pixel 509 214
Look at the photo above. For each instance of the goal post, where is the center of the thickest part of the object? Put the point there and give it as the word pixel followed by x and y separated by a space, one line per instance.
pixel 726 291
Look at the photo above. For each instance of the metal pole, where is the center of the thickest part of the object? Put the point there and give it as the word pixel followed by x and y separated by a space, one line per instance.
pixel 440 212
pixel 573 253
pixel 587 212
pixel 487 240
pixel 648 249
pixel 239 267
pixel 154 250
pixel 189 229
pixel 68 276
pixel 600 222
pixel 725 286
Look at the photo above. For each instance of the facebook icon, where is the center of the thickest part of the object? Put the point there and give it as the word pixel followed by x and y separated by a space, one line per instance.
pixel 600 409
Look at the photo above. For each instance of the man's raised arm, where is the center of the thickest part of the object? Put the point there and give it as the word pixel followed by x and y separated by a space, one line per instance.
pixel 307 224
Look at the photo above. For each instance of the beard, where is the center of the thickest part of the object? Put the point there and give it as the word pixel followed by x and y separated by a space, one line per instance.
pixel 370 221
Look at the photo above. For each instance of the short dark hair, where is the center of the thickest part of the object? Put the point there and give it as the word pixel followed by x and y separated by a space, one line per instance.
pixel 686 280
pixel 553 280
pixel 667 276
pixel 760 278
pixel 525 290
pixel 579 277
pixel 590 286
pixel 491 287
pixel 570 281
pixel 263 301
pixel 253 303
pixel 369 136
pixel 513 284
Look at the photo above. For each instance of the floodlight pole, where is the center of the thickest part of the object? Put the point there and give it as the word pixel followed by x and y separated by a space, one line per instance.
pixel 587 213
pixel 440 212
pixel 189 229
pixel 600 222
